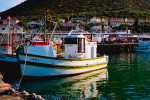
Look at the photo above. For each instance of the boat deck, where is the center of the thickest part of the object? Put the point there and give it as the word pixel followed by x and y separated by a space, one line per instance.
pixel 9 55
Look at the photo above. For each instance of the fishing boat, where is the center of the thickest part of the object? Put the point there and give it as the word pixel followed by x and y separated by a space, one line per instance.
pixel 144 43
pixel 79 56
pixel 8 58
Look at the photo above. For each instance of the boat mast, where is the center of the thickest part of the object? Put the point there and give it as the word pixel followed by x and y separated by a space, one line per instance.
pixel 52 32
pixel 44 24
pixel 13 40
pixel 9 30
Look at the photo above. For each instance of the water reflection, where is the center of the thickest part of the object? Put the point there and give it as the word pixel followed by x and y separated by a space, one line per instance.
pixel 127 77
pixel 79 86
pixel 128 74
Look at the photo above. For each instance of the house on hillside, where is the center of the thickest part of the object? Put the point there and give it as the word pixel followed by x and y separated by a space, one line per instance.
pixel 34 25
pixel 4 28
pixel 98 29
pixel 120 21
pixel 141 21
pixel 95 20
pixel 130 20
pixel 79 19
pixel 117 19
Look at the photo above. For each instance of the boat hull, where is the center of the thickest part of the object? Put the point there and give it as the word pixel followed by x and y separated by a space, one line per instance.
pixel 8 58
pixel 45 66
pixel 9 67
pixel 142 49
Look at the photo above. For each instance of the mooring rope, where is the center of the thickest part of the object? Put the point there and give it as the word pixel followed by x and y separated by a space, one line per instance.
pixel 24 65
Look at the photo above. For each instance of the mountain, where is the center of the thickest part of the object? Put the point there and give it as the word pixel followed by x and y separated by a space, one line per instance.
pixel 38 7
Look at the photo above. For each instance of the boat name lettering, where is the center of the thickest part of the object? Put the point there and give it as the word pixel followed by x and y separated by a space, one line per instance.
pixel 2 57
pixel 35 59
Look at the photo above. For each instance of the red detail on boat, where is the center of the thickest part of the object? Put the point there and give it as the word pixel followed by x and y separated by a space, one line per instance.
pixel 40 43
pixel 6 44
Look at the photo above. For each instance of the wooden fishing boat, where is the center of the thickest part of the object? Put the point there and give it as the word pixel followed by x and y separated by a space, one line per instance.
pixel 144 44
pixel 40 59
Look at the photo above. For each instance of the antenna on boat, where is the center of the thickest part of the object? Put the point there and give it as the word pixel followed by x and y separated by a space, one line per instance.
pixel 52 31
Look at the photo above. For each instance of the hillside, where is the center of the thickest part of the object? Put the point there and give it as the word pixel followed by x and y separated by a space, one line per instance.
pixel 38 7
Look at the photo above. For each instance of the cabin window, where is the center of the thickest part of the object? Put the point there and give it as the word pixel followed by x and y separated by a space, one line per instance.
pixel 71 41
pixel 3 28
pixel 18 28
pixel 145 39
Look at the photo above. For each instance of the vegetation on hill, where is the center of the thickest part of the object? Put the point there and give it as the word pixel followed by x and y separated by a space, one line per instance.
pixel 66 9
pixel 99 8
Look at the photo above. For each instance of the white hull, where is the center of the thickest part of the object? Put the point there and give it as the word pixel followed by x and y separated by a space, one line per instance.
pixel 30 70
pixel 143 49
pixel 42 66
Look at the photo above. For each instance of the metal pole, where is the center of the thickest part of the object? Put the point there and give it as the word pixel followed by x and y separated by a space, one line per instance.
pixel 13 40
pixel 44 25
pixel 9 31
pixel 52 31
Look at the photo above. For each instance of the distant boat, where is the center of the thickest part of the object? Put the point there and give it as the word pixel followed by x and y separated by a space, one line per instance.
pixel 40 59
pixel 144 44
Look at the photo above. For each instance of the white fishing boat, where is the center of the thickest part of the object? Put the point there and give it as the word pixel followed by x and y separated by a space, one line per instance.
pixel 144 44
pixel 40 59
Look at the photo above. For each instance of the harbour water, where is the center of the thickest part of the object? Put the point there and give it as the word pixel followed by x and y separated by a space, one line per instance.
pixel 126 77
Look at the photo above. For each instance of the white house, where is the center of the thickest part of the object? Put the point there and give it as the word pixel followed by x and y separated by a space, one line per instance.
pixel 99 29
pixel 95 20
pixel 4 28
pixel 105 20
pixel 12 20
pixel 33 23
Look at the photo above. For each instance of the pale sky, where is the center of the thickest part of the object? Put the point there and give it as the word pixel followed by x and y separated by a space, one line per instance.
pixel 7 4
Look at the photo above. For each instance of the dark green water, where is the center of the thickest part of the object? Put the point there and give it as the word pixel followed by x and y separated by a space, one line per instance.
pixel 127 77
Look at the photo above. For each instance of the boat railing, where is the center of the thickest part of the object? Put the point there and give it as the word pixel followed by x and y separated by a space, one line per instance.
pixel 76 31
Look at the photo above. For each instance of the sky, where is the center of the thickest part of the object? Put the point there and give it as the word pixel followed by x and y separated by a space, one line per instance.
pixel 7 4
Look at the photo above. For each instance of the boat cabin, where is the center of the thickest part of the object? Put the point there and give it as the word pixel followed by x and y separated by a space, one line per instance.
pixel 77 47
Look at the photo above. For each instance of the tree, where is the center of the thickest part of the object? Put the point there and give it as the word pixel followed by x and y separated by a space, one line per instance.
pixel 109 22
pixel 103 24
pixel 136 22
pixel 67 16
pixel 24 23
